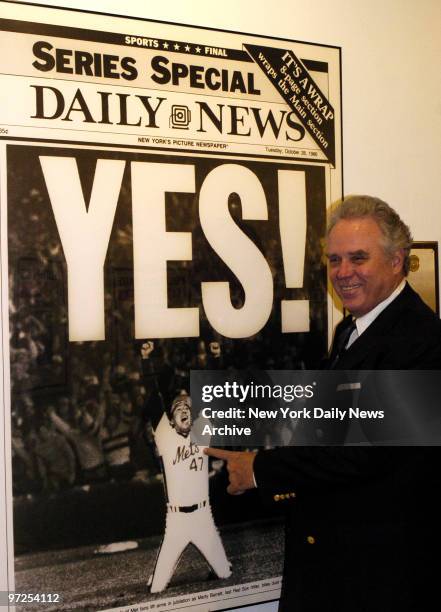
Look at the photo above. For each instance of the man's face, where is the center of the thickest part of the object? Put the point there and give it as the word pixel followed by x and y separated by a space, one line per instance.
pixel 181 417
pixel 362 273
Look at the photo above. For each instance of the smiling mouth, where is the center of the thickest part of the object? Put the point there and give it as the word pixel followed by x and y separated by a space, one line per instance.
pixel 349 288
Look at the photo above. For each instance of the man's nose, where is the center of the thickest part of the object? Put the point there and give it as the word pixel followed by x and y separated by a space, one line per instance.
pixel 345 269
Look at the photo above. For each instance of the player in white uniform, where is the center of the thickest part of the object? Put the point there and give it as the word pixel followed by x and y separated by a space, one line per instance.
pixel 185 469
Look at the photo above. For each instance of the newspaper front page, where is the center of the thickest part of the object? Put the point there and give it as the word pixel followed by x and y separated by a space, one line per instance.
pixel 163 195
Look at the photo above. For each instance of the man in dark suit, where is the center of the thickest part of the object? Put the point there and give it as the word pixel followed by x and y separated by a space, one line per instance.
pixel 362 527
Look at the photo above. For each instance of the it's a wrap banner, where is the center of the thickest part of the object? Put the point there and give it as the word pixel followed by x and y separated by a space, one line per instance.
pixel 299 90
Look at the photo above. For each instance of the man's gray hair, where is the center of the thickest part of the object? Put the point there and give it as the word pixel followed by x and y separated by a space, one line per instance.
pixel 395 232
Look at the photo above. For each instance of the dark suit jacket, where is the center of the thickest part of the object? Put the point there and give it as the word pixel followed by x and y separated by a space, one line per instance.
pixel 363 526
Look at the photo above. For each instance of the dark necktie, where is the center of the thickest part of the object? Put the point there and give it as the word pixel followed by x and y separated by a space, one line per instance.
pixel 340 344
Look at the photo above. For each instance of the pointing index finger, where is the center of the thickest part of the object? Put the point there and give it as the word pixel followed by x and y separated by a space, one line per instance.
pixel 219 453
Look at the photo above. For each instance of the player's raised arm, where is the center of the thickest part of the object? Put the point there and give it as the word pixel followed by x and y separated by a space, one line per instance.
pixel 154 405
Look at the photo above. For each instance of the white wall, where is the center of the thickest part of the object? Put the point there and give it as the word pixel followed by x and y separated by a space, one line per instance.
pixel 391 85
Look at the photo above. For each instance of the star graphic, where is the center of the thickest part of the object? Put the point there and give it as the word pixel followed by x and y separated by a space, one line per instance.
pixel 165 45
pixel 198 49
pixel 187 48
pixel 176 47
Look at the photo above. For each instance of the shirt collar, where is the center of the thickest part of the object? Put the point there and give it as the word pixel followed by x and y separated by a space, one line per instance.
pixel 362 323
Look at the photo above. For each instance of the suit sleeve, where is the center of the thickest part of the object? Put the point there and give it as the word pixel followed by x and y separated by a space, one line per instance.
pixel 310 469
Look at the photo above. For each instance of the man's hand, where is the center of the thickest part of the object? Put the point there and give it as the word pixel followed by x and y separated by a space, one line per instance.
pixel 147 348
pixel 239 466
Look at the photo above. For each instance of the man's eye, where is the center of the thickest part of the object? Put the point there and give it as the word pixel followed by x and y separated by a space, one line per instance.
pixel 334 261
pixel 358 259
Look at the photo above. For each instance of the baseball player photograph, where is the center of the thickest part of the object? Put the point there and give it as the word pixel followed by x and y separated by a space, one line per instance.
pixel 189 518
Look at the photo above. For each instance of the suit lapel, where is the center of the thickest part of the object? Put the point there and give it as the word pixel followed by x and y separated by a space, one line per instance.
pixel 341 331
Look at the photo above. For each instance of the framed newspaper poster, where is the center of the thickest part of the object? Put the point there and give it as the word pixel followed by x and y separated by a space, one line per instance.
pixel 163 195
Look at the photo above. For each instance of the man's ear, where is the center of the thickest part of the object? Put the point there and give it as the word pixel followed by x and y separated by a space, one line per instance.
pixel 398 260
